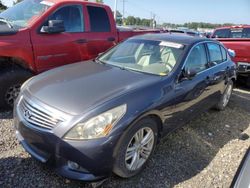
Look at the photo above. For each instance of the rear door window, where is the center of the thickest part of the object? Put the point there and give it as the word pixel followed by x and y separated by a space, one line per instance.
pixel 246 33
pixel 222 33
pixel 215 53
pixel 99 20
pixel 236 33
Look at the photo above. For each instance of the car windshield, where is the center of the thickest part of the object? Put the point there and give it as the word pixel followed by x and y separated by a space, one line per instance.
pixel 154 57
pixel 20 14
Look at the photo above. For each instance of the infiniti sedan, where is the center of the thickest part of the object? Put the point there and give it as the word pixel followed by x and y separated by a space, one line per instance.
pixel 91 119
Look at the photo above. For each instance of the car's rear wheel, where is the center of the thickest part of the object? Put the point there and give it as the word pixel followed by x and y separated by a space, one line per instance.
pixel 11 81
pixel 135 148
pixel 224 100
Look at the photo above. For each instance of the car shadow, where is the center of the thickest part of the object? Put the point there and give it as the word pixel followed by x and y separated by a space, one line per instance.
pixel 179 157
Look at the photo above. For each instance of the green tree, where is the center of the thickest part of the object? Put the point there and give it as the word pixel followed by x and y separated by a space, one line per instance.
pixel 130 20
pixel 17 1
pixel 99 1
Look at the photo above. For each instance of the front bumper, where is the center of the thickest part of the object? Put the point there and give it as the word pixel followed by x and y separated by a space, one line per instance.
pixel 243 68
pixel 95 157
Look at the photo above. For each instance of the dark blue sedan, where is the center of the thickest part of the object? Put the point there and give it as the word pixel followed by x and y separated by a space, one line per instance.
pixel 95 118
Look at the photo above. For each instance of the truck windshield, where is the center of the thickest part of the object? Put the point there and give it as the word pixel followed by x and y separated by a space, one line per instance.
pixel 153 57
pixel 20 14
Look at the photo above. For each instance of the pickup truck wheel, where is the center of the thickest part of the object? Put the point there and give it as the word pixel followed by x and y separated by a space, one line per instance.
pixel 11 81
pixel 135 148
pixel 222 104
pixel 248 82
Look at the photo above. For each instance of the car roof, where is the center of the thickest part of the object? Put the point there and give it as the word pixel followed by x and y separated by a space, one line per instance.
pixel 177 38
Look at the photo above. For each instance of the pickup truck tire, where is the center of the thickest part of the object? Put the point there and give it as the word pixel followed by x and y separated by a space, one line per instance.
pixel 10 82
pixel 225 97
pixel 135 148
pixel 248 82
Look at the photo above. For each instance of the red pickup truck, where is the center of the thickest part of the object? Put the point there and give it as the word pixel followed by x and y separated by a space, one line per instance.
pixel 37 35
pixel 237 38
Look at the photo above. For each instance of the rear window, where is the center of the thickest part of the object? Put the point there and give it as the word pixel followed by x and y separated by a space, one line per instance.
pixel 222 33
pixel 99 20
pixel 232 33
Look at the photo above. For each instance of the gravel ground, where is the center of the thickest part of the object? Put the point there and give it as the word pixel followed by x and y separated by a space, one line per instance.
pixel 205 153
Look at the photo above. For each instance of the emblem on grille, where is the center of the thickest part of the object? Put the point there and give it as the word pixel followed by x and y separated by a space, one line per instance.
pixel 27 114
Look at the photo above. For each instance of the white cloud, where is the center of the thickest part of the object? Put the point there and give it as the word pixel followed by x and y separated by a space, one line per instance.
pixel 7 2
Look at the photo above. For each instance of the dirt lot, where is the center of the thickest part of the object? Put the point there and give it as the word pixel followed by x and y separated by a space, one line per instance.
pixel 205 153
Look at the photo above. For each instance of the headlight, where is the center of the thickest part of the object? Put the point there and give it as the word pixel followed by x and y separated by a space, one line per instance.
pixel 25 83
pixel 97 127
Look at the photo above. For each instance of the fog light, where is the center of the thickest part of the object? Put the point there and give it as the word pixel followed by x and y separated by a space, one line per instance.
pixel 73 166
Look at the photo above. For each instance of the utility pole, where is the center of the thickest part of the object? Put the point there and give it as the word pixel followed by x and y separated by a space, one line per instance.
pixel 115 10
pixel 153 15
pixel 123 12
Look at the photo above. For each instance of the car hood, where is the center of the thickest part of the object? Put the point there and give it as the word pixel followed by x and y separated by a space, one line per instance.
pixel 79 87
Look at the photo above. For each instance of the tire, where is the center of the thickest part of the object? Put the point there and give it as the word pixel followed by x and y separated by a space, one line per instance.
pixel 248 81
pixel 123 167
pixel 225 97
pixel 10 82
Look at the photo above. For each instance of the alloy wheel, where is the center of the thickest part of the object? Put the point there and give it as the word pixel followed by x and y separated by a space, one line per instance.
pixel 139 148
pixel 227 95
pixel 12 93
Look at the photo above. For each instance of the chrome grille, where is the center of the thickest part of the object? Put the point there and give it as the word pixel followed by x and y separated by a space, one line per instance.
pixel 37 116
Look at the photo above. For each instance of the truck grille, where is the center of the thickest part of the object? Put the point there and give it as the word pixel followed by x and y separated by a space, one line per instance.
pixel 243 67
pixel 37 117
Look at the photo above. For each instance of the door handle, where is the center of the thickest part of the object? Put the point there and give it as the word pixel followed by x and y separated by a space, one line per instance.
pixel 111 39
pixel 210 79
pixel 81 41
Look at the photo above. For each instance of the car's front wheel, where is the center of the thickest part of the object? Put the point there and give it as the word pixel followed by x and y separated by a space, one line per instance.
pixel 135 148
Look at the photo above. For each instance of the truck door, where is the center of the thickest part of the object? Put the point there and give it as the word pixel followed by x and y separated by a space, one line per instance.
pixel 102 30
pixel 53 50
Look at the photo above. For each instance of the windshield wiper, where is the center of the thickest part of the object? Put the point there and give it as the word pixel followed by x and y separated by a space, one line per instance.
pixel 8 22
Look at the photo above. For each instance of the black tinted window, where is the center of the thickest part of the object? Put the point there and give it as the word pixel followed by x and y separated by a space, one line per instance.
pixel 222 33
pixel 99 20
pixel 72 17
pixel 197 59
pixel 246 33
pixel 215 53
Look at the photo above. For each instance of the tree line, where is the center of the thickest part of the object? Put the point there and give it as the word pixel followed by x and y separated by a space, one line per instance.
pixel 131 20
pixel 196 25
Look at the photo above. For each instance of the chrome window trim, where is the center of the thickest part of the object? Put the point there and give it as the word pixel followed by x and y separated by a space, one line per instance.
pixel 199 43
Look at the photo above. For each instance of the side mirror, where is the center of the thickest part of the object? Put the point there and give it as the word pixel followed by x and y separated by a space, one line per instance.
pixel 231 53
pixel 188 74
pixel 54 26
